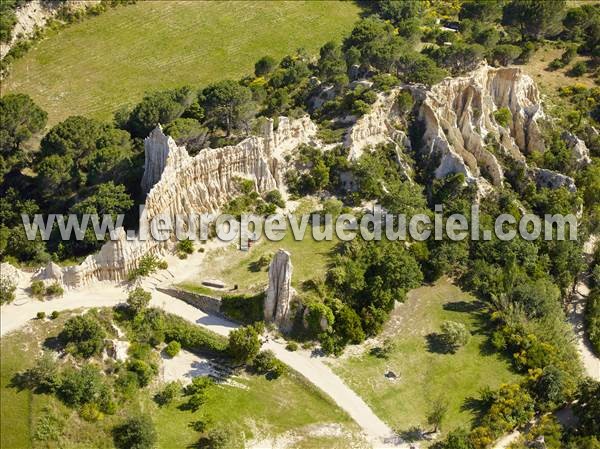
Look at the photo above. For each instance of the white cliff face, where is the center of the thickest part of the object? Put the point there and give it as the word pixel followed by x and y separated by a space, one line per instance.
pixel 458 115
pixel 376 127
pixel 578 148
pixel 280 292
pixel 177 184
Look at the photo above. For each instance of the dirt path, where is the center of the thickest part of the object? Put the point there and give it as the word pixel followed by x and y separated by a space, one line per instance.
pixel 105 294
pixel 576 317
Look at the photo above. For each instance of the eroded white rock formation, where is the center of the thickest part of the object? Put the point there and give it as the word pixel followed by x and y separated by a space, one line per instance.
pixel 279 293
pixel 458 115
pixel 380 125
pixel 177 184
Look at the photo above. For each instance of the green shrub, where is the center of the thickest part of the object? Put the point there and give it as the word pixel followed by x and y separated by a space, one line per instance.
pixel 185 247
pixel 54 315
pixel 275 197
pixel 83 336
pixel 135 433
pixel 503 117
pixel 147 265
pixel 192 337
pixel 138 300
pixel 90 412
pixel 291 346
pixel 454 335
pixel 243 308
pixel 578 69
pixel 173 348
pixel 41 315
pixel 7 290
pixel 162 265
pixel 54 290
pixel 38 289
pixel 592 317
pixel 144 371
pixel 168 393
pixel 244 344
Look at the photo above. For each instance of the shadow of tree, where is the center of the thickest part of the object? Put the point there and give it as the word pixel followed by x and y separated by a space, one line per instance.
pixel 411 435
pixel 437 344
pixel 463 306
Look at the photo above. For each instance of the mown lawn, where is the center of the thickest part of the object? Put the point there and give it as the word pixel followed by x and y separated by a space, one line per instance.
pixel 310 259
pixel 425 376
pixel 254 406
pixel 94 67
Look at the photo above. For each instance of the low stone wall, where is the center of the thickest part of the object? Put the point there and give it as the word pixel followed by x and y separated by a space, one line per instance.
pixel 208 304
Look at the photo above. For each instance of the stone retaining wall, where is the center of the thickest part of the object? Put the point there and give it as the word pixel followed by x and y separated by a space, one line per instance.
pixel 207 304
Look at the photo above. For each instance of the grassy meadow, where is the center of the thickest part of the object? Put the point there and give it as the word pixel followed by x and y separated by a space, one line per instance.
pixel 105 62
pixel 424 375
pixel 253 405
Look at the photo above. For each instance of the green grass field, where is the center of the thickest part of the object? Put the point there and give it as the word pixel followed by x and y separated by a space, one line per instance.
pixel 425 376
pixel 257 407
pixel 310 259
pixel 94 67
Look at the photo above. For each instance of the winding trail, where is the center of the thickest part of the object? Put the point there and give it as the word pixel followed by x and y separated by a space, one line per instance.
pixel 104 294
pixel 576 316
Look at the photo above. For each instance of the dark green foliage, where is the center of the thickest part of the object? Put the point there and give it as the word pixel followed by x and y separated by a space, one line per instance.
pixel 265 363
pixel 227 105
pixel 173 348
pixel 135 433
pixel 78 387
pixel 20 118
pixel 578 69
pixel 587 408
pixel 147 265
pixel 184 248
pixel 505 54
pixel 188 132
pixel 138 300
pixel 168 393
pixel 534 19
pixel 243 308
pixel 192 337
pixel 197 393
pixel 592 318
pixel 503 116
pixel 264 66
pixel 83 335
pixel 244 344
pixel 144 371
pixel 275 197
pixel 413 67
pixel 457 439
pixel 457 58
pixel 331 65
pixel 454 335
pixel 481 10
pixel 7 290
pixel 81 152
pixel 158 108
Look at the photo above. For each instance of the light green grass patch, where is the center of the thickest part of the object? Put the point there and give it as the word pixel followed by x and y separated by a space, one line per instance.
pixel 310 259
pixel 94 67
pixel 425 376
pixel 253 406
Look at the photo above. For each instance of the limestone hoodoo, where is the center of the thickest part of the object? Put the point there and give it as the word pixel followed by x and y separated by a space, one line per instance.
pixel 280 292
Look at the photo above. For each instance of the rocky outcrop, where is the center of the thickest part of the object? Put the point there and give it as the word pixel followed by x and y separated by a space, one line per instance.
pixel 12 274
pixel 279 293
pixel 380 125
pixel 459 120
pixel 177 184
pixel 579 150
pixel 551 179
